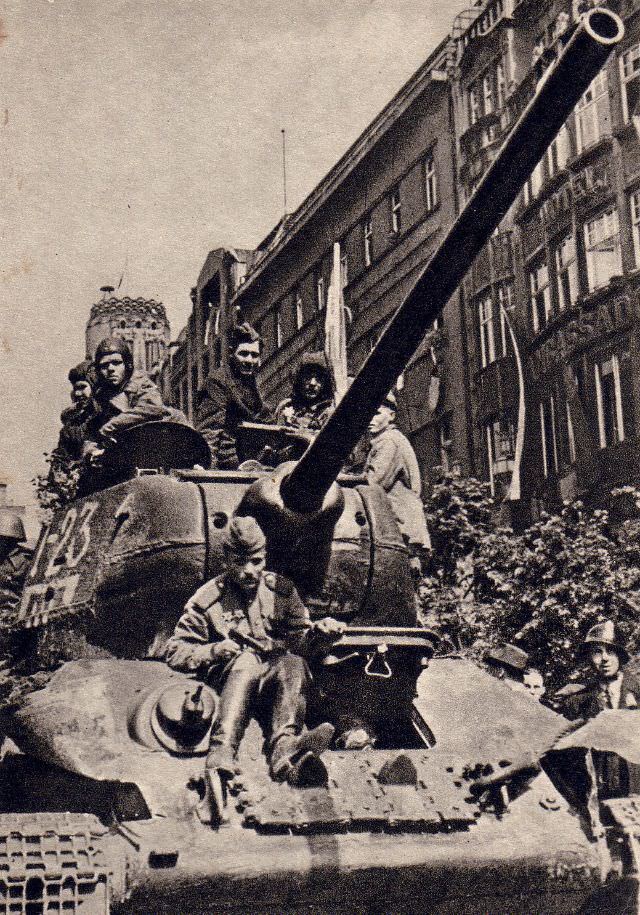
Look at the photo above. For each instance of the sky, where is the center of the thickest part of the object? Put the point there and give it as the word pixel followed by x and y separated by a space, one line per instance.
pixel 146 133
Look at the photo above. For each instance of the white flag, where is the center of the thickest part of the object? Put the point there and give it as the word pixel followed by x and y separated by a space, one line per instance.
pixel 335 331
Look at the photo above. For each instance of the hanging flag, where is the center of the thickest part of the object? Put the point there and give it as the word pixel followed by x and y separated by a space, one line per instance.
pixel 587 454
pixel 515 488
pixel 335 331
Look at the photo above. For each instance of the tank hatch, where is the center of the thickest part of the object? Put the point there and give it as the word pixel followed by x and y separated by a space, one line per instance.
pixel 408 790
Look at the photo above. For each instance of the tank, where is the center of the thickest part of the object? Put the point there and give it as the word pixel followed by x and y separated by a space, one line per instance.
pixel 467 804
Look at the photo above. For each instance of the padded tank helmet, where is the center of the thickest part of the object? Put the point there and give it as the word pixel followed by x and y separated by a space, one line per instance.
pixel 606 633
pixel 114 345
pixel 11 526
pixel 83 371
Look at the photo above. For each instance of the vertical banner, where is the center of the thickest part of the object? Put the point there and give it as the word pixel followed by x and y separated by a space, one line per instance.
pixel 335 331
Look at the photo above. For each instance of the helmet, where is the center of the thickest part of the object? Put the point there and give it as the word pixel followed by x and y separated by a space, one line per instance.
pixel 11 525
pixel 114 345
pixel 606 634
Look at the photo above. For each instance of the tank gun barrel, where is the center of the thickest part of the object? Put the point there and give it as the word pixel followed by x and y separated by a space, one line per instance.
pixel 560 90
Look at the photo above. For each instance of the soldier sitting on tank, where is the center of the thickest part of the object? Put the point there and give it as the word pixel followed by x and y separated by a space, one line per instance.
pixel 312 398
pixel 124 397
pixel 247 633
pixel 231 396
pixel 15 560
pixel 392 464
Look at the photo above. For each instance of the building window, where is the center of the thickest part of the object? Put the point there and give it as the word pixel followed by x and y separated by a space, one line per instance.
pixel 430 183
pixel 501 85
pixel 485 323
pixel 299 309
pixel 487 93
pixel 540 297
pixel 320 300
pixel 548 436
pixel 534 185
pixel 396 211
pixel 474 105
pixel 500 438
pixel 635 226
pixel 558 152
pixel 344 269
pixel 609 402
pixel 602 249
pixel 593 120
pixel 505 304
pixel 446 444
pixel 367 235
pixel 567 272
pixel 571 438
pixel 279 336
pixel 630 81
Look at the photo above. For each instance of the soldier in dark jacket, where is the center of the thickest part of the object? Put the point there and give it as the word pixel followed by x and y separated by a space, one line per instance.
pixel 312 398
pixel 77 418
pixel 266 676
pixel 15 559
pixel 230 397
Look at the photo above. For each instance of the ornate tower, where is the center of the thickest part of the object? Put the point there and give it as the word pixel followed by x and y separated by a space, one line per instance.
pixel 141 322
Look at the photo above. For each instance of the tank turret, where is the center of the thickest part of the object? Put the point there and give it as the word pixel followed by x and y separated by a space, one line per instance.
pixel 454 809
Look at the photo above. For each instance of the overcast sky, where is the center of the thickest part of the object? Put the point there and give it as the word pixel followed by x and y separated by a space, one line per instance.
pixel 150 131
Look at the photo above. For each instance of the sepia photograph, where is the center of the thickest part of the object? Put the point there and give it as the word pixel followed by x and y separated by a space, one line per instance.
pixel 320 457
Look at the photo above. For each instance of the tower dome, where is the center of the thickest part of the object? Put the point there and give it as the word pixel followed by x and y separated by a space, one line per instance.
pixel 141 322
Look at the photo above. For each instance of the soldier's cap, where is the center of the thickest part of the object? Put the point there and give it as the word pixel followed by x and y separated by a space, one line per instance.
pixel 514 659
pixel 11 525
pixel 244 537
pixel 83 371
pixel 606 633
pixel 111 345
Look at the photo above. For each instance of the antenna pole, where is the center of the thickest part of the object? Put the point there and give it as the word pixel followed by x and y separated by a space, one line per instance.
pixel 284 168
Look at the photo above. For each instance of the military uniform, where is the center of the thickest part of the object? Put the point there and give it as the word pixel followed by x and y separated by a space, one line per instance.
pixel 137 401
pixel 273 687
pixel 298 411
pixel 227 399
pixel 392 464
pixel 13 572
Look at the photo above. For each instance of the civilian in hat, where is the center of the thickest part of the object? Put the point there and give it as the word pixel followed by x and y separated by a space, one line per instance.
pixel 231 396
pixel 610 685
pixel 391 463
pixel 246 633
pixel 508 663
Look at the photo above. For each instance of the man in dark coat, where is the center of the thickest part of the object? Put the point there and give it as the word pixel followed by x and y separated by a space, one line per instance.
pixel 15 559
pixel 610 687
pixel 266 675
pixel 230 397
pixel 312 398
pixel 76 419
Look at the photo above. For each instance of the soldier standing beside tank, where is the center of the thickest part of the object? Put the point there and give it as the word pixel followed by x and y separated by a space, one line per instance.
pixel 246 632
pixel 15 560
pixel 392 464
pixel 312 398
pixel 230 397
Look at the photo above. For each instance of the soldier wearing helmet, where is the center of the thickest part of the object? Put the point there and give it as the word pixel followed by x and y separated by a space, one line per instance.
pixel 611 686
pixel 14 559
pixel 246 633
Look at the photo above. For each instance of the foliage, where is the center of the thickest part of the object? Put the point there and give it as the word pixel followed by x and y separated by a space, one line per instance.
pixel 57 486
pixel 541 590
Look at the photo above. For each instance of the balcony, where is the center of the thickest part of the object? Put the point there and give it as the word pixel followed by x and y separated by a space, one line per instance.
pixel 592 186
pixel 476 23
pixel 497 386
pixel 557 207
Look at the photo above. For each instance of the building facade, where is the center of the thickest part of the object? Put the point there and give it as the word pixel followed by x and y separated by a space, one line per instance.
pixel 534 361
pixel 141 322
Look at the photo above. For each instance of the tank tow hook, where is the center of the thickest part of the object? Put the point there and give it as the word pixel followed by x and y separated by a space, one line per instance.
pixel 377 664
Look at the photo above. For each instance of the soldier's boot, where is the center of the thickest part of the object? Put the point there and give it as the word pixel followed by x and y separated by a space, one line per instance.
pixel 233 717
pixel 296 759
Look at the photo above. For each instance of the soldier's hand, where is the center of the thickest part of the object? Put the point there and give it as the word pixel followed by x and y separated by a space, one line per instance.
pixel 329 628
pixel 224 650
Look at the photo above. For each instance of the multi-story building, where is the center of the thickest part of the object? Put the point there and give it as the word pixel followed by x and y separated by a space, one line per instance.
pixel 534 363
pixel 141 322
